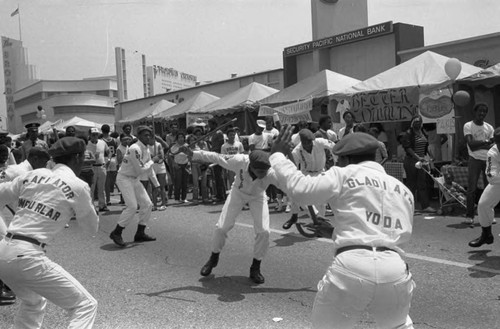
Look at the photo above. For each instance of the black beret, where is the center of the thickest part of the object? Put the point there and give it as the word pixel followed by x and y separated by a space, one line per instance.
pixel 32 126
pixel 142 128
pixel 356 144
pixel 67 146
pixel 259 159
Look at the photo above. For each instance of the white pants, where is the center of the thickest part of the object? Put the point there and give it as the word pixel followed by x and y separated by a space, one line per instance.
pixel 363 280
pixel 99 182
pixel 34 279
pixel 486 205
pixel 232 208
pixel 134 194
pixel 3 227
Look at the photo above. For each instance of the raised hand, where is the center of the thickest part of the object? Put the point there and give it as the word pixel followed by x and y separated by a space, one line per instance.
pixel 283 142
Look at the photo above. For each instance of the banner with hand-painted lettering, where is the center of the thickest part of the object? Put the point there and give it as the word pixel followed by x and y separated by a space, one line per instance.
pixel 290 113
pixel 389 105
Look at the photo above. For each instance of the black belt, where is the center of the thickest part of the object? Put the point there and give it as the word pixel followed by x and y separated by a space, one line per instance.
pixel 347 248
pixel 25 238
pixel 98 165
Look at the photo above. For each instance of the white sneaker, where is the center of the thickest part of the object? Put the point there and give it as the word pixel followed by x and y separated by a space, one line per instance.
pixel 469 221
pixel 288 208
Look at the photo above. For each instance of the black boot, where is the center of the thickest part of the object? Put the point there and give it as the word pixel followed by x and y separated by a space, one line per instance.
pixel 141 236
pixel 212 262
pixel 6 295
pixel 255 274
pixel 116 236
pixel 291 221
pixel 486 237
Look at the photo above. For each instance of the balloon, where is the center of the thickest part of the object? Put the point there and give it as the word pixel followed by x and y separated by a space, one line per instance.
pixel 461 98
pixel 452 67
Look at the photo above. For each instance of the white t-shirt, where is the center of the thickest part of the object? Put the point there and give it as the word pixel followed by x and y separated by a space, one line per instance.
pixel 261 142
pixel 478 133
pixel 235 148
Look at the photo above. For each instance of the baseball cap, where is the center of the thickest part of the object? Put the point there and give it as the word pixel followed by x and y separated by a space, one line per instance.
pixel 261 123
pixel 259 159
pixel 67 146
pixel 357 143
pixel 94 130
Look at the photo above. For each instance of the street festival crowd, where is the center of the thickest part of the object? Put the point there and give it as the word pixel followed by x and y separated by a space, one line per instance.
pixel 46 182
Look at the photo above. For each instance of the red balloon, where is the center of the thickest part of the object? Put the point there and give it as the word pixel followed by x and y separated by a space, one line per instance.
pixel 461 98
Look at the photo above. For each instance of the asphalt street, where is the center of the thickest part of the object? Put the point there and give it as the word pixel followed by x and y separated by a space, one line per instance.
pixel 158 285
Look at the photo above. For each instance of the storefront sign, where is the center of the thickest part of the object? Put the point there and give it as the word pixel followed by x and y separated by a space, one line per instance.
pixel 389 105
pixel 290 113
pixel 8 73
pixel 340 39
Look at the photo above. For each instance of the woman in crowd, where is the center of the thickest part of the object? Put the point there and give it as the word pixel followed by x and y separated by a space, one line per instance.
pixel 349 124
pixel 416 146
pixel 160 170
pixel 181 162
pixel 195 168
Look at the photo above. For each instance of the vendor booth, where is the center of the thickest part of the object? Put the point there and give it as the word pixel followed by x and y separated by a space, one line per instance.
pixel 241 104
pixel 307 99
pixel 178 112
pixel 422 85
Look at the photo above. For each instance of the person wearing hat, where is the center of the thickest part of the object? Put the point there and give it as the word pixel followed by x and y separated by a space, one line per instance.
pixel 101 152
pixel 37 158
pixel 47 199
pixel 373 219
pixel 310 157
pixel 253 177
pixel 136 162
pixel 32 140
pixel 260 140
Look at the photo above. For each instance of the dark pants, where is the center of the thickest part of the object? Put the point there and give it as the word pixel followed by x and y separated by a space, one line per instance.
pixel 220 187
pixel 416 180
pixel 475 168
pixel 87 177
pixel 181 180
pixel 110 184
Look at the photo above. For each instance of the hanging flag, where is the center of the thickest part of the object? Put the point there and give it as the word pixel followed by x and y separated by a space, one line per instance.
pixel 15 12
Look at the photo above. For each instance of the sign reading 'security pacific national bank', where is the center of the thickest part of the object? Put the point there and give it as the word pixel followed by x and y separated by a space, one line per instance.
pixel 340 39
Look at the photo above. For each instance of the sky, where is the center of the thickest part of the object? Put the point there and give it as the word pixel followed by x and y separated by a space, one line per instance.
pixel 211 39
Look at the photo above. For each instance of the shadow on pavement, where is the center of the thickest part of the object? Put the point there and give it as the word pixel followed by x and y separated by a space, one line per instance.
pixel 463 225
pixel 290 239
pixel 487 263
pixel 228 289
pixel 114 247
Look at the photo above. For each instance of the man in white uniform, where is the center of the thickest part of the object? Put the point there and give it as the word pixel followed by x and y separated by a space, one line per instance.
pixel 137 161
pixel 373 218
pixel 310 157
pixel 491 194
pixel 47 199
pixel 37 158
pixel 253 176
